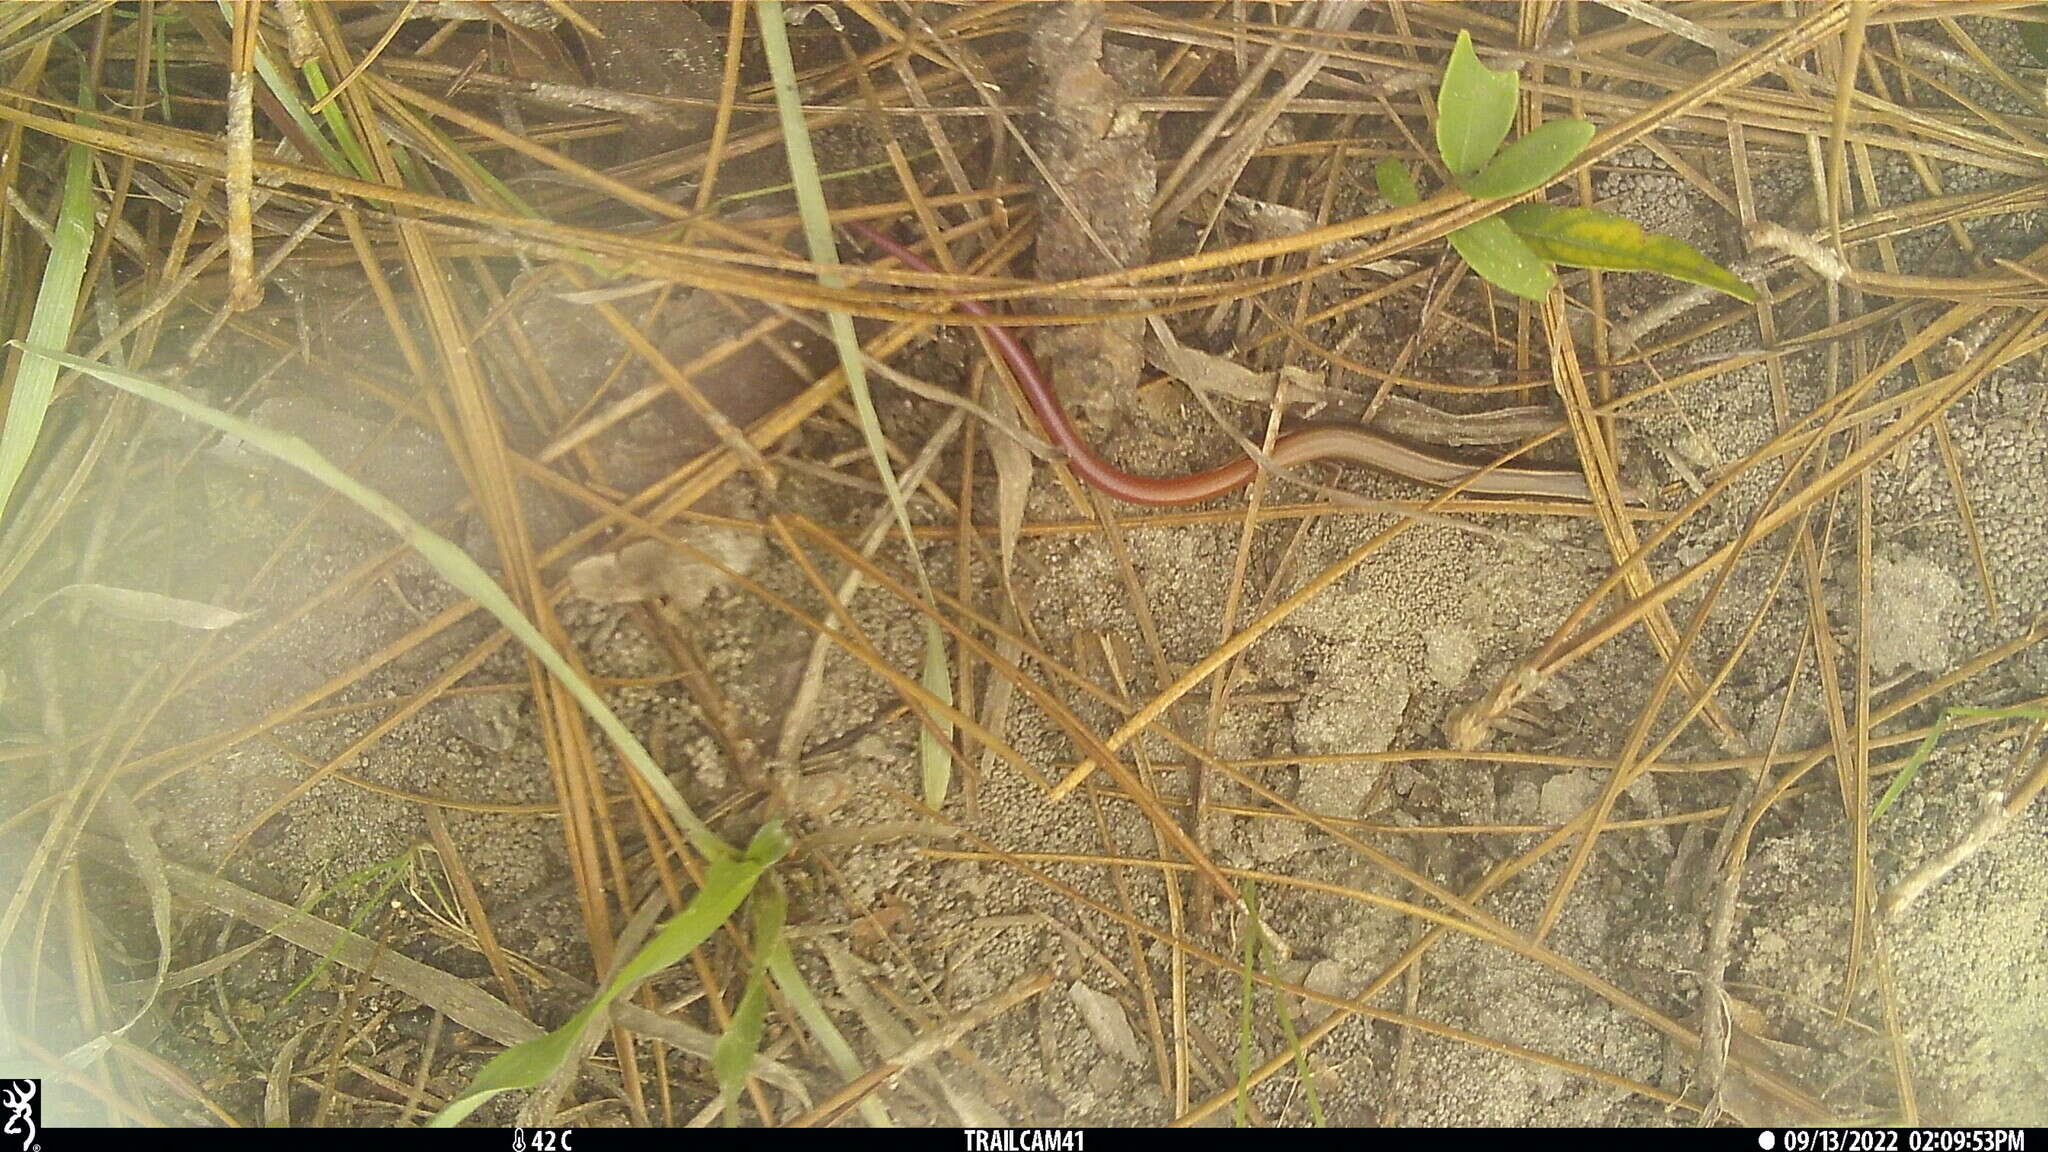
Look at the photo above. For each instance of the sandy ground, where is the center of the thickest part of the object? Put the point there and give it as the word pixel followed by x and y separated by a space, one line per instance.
pixel 1365 675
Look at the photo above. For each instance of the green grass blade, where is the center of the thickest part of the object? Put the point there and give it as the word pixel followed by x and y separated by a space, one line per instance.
pixel 733 1056
pixel 50 325
pixel 934 755
pixel 934 749
pixel 1242 1110
pixel 726 885
pixel 782 966
pixel 1530 162
pixel 1495 252
pixel 1294 1048
pixel 392 873
pixel 409 158
pixel 1926 746
pixel 1912 768
pixel 1475 106
pixel 1257 958
pixel 451 562
pixel 316 83
pixel 295 108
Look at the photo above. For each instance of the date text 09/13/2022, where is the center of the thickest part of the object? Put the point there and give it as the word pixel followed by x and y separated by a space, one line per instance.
pixel 1023 1140
pixel 1896 1140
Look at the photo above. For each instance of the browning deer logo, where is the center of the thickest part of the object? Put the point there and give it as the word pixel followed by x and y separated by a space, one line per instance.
pixel 19 1100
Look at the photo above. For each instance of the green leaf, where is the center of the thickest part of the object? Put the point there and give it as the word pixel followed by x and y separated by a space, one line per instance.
pixel 1475 107
pixel 726 884
pixel 1531 161
pixel 733 1056
pixel 1495 252
pixel 1583 238
pixel 1397 187
pixel 2033 35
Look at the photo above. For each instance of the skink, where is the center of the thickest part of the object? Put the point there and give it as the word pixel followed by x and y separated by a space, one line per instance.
pixel 1316 442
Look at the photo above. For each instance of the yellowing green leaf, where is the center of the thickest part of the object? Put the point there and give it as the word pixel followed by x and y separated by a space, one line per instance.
pixel 1396 185
pixel 1475 107
pixel 1495 252
pixel 1583 238
pixel 1531 161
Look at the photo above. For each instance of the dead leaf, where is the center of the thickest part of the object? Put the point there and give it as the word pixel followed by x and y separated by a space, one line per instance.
pixel 652 569
pixel 149 869
pixel 277 1092
pixel 1013 486
pixel 1106 1019
pixel 148 607
pixel 1751 1024
pixel 1221 376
